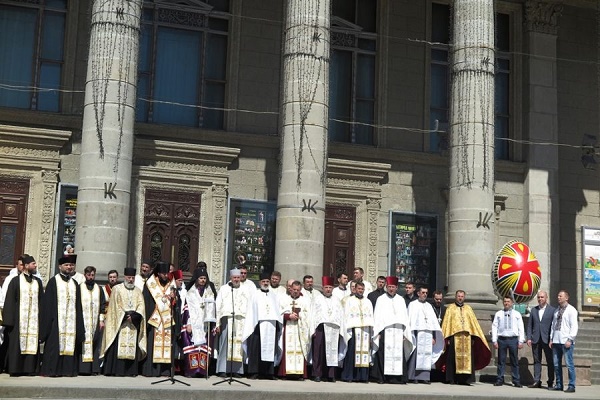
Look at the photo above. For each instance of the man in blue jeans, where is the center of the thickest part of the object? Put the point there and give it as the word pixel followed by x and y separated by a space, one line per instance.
pixel 562 340
pixel 508 334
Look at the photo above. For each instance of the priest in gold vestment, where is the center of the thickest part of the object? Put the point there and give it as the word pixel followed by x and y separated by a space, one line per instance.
pixel 124 340
pixel 466 348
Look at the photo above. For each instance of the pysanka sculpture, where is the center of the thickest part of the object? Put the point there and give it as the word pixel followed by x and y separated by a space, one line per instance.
pixel 516 272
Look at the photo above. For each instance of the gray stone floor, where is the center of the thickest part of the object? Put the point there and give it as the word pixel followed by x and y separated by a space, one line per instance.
pixel 100 387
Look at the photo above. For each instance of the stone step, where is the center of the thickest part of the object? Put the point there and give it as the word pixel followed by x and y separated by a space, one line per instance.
pixel 586 345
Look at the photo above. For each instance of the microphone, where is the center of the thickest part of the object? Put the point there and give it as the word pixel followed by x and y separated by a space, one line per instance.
pixel 230 284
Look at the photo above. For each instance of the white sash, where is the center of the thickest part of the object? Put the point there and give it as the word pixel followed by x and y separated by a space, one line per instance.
pixel 90 304
pixel 66 293
pixel 424 350
pixel 394 342
pixel 28 315
pixel 294 354
pixel 267 340
pixel 332 335
pixel 362 348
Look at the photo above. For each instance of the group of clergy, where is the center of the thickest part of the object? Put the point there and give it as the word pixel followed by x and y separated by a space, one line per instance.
pixel 298 333
pixel 154 325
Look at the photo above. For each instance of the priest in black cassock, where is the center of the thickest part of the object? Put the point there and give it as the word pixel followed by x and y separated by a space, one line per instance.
pixel 62 329
pixel 21 320
pixel 93 306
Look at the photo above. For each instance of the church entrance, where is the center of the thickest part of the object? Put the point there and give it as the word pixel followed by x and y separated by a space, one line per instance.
pixel 171 228
pixel 340 226
pixel 13 213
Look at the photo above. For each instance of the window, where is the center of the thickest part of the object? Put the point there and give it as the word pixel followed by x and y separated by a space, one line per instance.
pixel 32 38
pixel 182 68
pixel 413 248
pixel 441 28
pixel 440 77
pixel 352 71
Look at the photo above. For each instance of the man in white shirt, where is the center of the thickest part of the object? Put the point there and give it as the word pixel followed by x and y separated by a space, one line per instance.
pixel 145 272
pixel 341 290
pixel 508 334
pixel 308 289
pixel 358 275
pixel 562 340
pixel 276 286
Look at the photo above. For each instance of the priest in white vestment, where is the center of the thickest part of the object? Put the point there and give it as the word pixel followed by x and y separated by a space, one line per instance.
pixel 328 346
pixel 232 305
pixel 358 332
pixel 427 337
pixel 261 340
pixel 295 310
pixel 392 339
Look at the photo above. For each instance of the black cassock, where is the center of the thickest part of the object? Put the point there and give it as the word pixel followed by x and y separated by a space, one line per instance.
pixel 17 363
pixel 53 364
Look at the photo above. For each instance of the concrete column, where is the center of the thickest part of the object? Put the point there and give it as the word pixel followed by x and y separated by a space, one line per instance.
pixel 541 116
pixel 107 135
pixel 471 187
pixel 303 152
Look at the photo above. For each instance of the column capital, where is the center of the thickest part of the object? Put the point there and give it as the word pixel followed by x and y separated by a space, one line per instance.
pixel 219 190
pixel 542 16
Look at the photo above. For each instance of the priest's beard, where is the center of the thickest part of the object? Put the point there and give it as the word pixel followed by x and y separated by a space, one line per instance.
pixel 265 287
pixel 163 282
pixel 128 285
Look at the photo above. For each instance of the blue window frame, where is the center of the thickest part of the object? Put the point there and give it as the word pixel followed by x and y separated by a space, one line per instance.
pixel 183 60
pixel 32 37
pixel 352 71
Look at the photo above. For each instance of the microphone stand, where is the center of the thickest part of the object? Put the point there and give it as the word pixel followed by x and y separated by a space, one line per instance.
pixel 230 379
pixel 175 312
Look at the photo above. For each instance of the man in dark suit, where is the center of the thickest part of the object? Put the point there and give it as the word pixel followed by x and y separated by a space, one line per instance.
pixel 538 336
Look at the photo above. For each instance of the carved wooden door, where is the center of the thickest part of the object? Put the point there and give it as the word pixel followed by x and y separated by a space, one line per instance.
pixel 13 212
pixel 171 228
pixel 340 223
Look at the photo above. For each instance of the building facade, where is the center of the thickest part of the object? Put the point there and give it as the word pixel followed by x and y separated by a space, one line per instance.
pixel 215 85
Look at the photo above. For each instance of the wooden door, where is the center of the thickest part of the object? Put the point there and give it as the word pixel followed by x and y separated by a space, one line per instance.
pixel 13 212
pixel 171 228
pixel 340 224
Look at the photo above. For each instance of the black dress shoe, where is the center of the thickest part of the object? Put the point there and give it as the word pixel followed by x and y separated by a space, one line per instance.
pixel 517 385
pixel 570 389
pixel 222 375
pixel 556 388
pixel 426 382
pixel 253 376
pixel 535 385
pixel 316 379
pixel 498 383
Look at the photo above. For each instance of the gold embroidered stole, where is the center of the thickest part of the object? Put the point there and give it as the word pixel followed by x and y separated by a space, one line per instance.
pixel 66 293
pixel 161 320
pixel 90 304
pixel 28 315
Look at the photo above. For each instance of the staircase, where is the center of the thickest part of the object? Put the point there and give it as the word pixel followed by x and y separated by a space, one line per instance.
pixel 587 347
pixel 586 357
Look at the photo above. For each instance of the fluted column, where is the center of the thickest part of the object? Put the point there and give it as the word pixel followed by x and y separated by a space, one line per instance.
pixel 303 151
pixel 471 187
pixel 107 135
